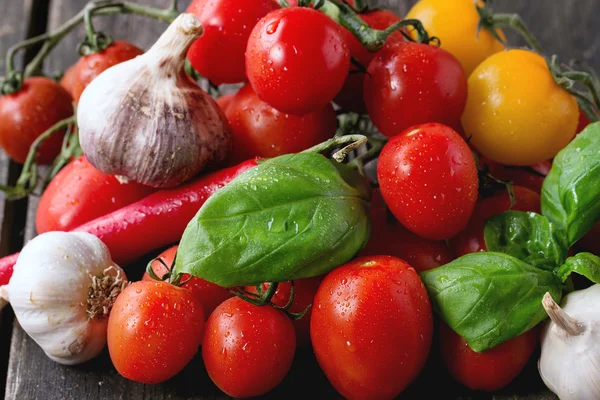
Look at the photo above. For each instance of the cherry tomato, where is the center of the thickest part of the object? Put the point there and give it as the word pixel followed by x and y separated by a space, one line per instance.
pixel 68 79
pixel 351 96
pixel 225 101
pixel 413 83
pixel 490 370
pixel 90 66
pixel 80 193
pixel 389 237
pixel 582 122
pixel 516 113
pixel 247 349
pixel 471 239
pixel 219 54
pixel 297 60
pixel 371 327
pixel 26 114
pixel 209 294
pixel 428 179
pixel 532 176
pixel 455 22
pixel 304 295
pixel 154 330
pixel 260 130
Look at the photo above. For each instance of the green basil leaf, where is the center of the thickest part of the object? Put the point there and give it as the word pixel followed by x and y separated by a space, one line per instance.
pixel 571 191
pixel 291 217
pixel 489 298
pixel 528 236
pixel 585 264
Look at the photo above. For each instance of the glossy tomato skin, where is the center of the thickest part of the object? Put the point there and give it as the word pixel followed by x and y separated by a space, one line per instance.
pixel 371 327
pixel 80 193
pixel 531 176
pixel 259 130
pixel 428 179
pixel 490 370
pixel 154 330
pixel 67 81
pixel 207 293
pixel 247 349
pixel 90 66
pixel 225 101
pixel 413 83
pixel 297 60
pixel 219 54
pixel 29 112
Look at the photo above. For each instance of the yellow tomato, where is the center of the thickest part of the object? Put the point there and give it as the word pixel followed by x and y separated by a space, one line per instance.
pixel 454 22
pixel 516 114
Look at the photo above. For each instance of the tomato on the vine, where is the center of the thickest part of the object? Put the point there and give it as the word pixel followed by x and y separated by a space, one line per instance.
pixel 219 54
pixel 297 60
pixel 247 349
pixel 531 176
pixel 154 330
pixel 260 130
pixel 428 179
pixel 67 81
pixel 26 114
pixel 582 122
pixel 371 327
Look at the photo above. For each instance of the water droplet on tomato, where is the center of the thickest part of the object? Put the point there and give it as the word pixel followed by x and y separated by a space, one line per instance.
pixel 272 27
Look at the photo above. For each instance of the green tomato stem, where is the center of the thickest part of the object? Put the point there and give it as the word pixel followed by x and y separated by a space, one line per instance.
pixel 516 23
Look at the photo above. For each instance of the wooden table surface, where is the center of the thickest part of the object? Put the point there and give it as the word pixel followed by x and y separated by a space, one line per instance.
pixel 568 28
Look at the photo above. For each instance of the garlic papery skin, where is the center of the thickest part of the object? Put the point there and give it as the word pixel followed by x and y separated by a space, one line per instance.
pixel 570 359
pixel 147 121
pixel 62 289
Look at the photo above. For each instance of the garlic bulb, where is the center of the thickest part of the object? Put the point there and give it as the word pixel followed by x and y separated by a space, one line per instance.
pixel 62 289
pixel 570 359
pixel 147 121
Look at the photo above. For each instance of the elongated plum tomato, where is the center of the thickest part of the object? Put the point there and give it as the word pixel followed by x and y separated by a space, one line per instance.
pixel 490 370
pixel 371 327
pixel 209 294
pixel 259 130
pixel 516 113
pixel 219 54
pixel 428 179
pixel 297 60
pixel 455 23
pixel 413 83
pixel 29 112
pixel 247 349
pixel 154 330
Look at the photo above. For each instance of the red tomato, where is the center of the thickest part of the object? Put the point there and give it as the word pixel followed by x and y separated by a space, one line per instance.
pixel 259 130
pixel 390 238
pixel 304 295
pixel 591 241
pixel 154 330
pixel 351 96
pixel 90 66
pixel 294 3
pixel 225 101
pixel 371 327
pixel 428 178
pixel 297 60
pixel 80 193
pixel 490 370
pixel 247 349
pixel 471 239
pixel 209 294
pixel 583 121
pixel 413 83
pixel 26 114
pixel 68 79
pixel 531 177
pixel 219 54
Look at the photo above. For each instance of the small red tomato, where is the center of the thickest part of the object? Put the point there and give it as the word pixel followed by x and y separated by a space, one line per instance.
pixel 68 79
pixel 154 330
pixel 225 101
pixel 532 176
pixel 219 54
pixel 209 294
pixel 259 130
pixel 428 179
pixel 371 327
pixel 490 370
pixel 583 121
pixel 29 112
pixel 247 349
pixel 297 60
pixel 413 83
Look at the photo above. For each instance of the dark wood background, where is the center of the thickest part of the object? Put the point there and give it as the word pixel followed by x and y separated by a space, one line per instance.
pixel 568 28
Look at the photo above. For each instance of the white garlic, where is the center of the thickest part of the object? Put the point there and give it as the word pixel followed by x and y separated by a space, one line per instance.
pixel 147 121
pixel 61 290
pixel 570 360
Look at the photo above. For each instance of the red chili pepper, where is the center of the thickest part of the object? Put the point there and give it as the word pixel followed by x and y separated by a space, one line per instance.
pixel 153 222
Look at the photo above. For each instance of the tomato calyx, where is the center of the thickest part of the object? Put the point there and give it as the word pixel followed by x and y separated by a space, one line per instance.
pixel 263 298
pixel 489 184
pixel 175 280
